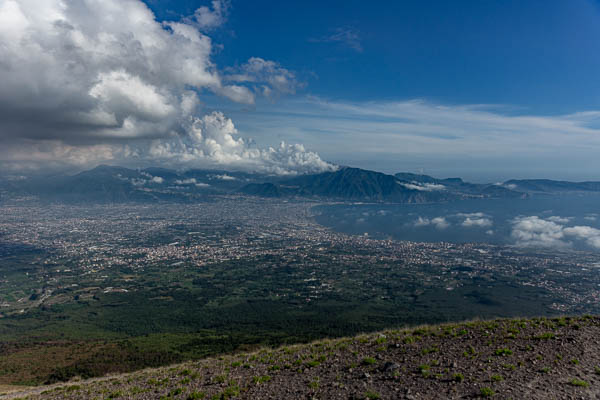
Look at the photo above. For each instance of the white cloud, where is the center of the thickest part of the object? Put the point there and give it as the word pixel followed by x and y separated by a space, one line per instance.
pixel 207 19
pixel 438 222
pixel 477 222
pixel 239 94
pixel 190 181
pixel 211 140
pixel 560 220
pixel 426 187
pixel 422 222
pixel 157 179
pixel 90 69
pixel 225 177
pixel 267 76
pixel 472 215
pixel 590 235
pixel 89 81
pixel 476 219
pixel 536 232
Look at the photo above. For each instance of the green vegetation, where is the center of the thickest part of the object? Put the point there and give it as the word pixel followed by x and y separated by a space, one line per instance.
pixel 578 382
pixel 261 379
pixel 231 391
pixel 487 392
pixel 510 367
pixel 428 350
pixel 425 370
pixel 545 336
pixel 368 361
pixel 503 352
pixel 470 352
pixel 371 395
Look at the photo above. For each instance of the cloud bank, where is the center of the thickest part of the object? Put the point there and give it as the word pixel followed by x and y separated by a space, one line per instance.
pixel 90 81
pixel 478 142
pixel 533 231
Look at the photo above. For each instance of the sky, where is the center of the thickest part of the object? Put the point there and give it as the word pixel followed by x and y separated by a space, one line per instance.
pixel 485 90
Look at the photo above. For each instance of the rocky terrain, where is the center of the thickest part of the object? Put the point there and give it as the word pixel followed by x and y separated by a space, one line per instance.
pixel 536 358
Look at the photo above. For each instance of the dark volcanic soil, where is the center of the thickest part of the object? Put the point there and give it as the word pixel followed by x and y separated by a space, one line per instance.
pixel 503 359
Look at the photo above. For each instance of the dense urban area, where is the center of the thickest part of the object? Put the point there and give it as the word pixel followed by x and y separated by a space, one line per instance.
pixel 75 251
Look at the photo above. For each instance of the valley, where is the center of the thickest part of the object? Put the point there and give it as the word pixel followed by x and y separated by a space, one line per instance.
pixel 90 290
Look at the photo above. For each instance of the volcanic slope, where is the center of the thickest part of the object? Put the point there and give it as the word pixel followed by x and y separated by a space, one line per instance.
pixel 536 358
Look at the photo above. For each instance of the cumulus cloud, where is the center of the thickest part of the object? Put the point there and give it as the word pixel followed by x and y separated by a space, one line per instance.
pixel 590 235
pixel 92 81
pixel 212 140
pixel 534 231
pixel 97 69
pixel 477 219
pixel 422 222
pixel 438 222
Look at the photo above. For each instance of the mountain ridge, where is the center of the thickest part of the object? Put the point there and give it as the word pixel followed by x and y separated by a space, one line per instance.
pixel 114 184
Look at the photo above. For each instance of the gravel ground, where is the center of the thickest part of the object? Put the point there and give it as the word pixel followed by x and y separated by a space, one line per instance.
pixel 503 359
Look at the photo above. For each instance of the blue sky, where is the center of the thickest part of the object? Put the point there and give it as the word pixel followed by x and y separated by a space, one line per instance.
pixel 539 55
pixel 522 58
pixel 487 90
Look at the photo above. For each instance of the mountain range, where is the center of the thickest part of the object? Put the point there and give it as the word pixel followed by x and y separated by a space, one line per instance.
pixel 112 184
